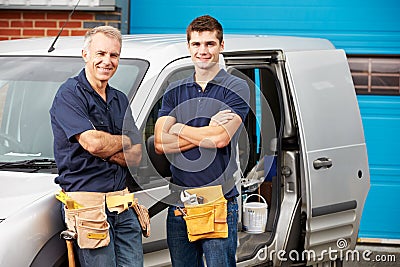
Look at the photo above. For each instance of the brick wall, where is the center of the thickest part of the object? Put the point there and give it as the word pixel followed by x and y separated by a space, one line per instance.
pixel 17 24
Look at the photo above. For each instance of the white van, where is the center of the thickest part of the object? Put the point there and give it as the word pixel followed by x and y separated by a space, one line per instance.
pixel 304 119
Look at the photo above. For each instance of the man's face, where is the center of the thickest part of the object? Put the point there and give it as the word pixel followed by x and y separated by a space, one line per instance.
pixel 204 48
pixel 102 58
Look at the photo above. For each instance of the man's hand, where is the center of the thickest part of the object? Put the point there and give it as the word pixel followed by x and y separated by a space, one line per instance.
pixel 129 157
pixel 221 117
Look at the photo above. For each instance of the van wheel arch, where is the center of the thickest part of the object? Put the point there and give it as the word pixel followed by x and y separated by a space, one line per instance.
pixel 53 253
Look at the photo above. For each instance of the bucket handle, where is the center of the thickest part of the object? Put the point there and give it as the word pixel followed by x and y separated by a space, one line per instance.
pixel 245 201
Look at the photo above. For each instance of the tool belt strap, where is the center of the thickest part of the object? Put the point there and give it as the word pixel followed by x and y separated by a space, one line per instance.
pixel 179 212
pixel 118 201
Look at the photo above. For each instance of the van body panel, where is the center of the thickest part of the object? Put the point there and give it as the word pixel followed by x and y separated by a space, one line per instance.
pixel 323 83
pixel 336 175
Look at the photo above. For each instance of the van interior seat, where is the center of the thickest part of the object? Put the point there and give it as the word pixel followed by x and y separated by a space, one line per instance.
pixel 159 161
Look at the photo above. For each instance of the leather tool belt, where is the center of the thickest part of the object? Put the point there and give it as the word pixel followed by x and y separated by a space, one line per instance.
pixel 89 221
pixel 207 220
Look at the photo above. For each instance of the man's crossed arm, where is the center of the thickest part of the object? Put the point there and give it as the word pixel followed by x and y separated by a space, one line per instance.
pixel 172 137
pixel 115 148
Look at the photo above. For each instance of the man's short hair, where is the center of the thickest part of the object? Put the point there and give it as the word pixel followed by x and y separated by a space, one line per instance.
pixel 205 23
pixel 109 31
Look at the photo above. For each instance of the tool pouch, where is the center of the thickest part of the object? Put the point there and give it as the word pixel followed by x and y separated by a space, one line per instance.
pixel 143 217
pixel 207 220
pixel 90 222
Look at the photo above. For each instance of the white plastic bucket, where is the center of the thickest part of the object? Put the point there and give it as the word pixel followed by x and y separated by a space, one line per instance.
pixel 255 215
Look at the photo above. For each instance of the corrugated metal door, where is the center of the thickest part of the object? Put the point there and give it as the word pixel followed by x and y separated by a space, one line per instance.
pixel 381 120
pixel 360 27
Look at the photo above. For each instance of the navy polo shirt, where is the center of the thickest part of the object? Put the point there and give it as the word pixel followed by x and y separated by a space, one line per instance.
pixel 186 101
pixel 77 108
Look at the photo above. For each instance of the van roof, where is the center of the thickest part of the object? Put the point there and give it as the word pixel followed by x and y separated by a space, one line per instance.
pixel 169 46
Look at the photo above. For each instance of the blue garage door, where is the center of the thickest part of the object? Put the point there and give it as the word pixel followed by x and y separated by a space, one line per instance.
pixel 360 28
pixel 381 120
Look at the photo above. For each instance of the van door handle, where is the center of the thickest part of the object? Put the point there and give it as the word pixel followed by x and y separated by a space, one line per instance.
pixel 322 163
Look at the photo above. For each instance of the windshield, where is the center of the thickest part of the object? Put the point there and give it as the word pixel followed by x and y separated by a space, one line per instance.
pixel 27 89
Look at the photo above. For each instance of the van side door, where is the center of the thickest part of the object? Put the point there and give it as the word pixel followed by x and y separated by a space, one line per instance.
pixel 334 165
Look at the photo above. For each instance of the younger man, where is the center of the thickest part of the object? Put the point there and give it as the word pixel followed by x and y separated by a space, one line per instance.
pixel 198 125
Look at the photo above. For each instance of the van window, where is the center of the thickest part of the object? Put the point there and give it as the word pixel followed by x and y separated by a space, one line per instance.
pixel 177 75
pixel 27 89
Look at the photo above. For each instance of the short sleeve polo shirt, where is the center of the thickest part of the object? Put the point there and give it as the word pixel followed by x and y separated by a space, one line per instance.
pixel 77 108
pixel 189 104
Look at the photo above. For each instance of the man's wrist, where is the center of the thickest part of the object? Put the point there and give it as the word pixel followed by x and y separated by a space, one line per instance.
pixel 126 142
pixel 177 128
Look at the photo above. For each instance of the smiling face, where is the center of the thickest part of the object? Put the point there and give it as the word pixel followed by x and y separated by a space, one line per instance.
pixel 102 58
pixel 204 48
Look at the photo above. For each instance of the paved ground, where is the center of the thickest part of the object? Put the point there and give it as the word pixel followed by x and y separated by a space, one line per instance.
pixel 374 255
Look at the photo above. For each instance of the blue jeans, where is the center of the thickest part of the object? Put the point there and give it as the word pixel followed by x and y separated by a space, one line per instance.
pixel 217 251
pixel 125 248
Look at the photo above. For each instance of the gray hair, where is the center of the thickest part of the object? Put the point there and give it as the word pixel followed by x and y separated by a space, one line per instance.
pixel 109 31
